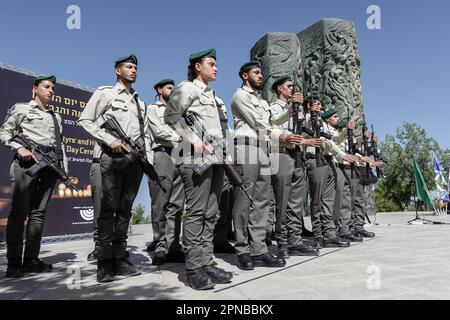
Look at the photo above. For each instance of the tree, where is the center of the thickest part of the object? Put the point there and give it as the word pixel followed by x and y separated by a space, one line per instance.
pixel 138 216
pixel 395 191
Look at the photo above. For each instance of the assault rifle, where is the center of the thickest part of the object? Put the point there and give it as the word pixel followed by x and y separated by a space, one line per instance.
pixel 137 149
pixel 214 158
pixel 44 160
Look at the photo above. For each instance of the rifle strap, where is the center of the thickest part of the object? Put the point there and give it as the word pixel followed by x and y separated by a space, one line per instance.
pixel 222 117
pixel 140 118
pixel 58 147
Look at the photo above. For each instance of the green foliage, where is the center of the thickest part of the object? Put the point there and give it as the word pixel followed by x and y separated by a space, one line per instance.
pixel 395 191
pixel 138 216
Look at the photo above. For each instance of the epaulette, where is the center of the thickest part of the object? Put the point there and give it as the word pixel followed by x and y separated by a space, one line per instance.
pixel 105 87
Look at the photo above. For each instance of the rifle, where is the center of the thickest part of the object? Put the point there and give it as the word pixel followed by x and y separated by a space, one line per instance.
pixel 374 149
pixel 366 146
pixel 44 160
pixel 316 124
pixel 137 149
pixel 213 158
pixel 351 148
pixel 298 125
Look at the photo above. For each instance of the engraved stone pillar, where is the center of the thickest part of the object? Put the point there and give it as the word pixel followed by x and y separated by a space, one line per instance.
pixel 279 55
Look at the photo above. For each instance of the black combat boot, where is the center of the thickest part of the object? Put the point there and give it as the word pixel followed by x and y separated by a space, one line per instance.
pixel 335 243
pixel 14 269
pixel 245 262
pixel 268 260
pixel 303 250
pixel 159 258
pixel 124 268
pixel 218 275
pixel 351 237
pixel 198 279
pixel 35 265
pixel 366 234
pixel 283 251
pixel 104 271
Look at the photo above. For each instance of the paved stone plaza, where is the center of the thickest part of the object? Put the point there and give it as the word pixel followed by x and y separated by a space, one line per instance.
pixel 403 262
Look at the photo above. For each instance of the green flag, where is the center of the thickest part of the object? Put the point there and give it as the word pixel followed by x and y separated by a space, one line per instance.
pixel 421 187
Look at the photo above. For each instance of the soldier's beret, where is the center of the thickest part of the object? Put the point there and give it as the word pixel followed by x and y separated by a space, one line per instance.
pixel 210 53
pixel 246 67
pixel 38 79
pixel 328 113
pixel 164 82
pixel 279 81
pixel 131 58
pixel 342 124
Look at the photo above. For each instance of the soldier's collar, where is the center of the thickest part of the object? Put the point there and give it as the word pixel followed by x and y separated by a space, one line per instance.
pixel 281 102
pixel 200 84
pixel 121 88
pixel 250 90
pixel 34 104
pixel 160 104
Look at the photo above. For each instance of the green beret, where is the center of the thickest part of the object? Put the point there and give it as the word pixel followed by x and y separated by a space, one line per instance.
pixel 328 113
pixel 246 67
pixel 279 81
pixel 342 124
pixel 164 82
pixel 131 58
pixel 309 97
pixel 210 53
pixel 38 79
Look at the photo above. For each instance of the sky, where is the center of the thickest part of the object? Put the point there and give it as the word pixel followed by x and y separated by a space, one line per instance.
pixel 405 65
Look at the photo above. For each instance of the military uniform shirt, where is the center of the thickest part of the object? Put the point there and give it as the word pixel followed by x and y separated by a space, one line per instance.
pixel 251 114
pixel 113 102
pixel 197 98
pixel 162 134
pixel 330 147
pixel 34 123
pixel 279 118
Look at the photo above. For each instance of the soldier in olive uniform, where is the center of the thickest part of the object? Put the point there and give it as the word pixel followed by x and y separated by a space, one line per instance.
pixel 168 206
pixel 344 175
pixel 253 133
pixel 359 208
pixel 31 194
pixel 196 99
pixel 120 176
pixel 289 180
pixel 322 186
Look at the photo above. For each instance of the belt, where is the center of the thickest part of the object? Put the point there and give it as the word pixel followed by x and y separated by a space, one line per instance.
pixel 248 142
pixel 290 152
pixel 310 156
pixel 163 149
pixel 344 166
pixel 96 160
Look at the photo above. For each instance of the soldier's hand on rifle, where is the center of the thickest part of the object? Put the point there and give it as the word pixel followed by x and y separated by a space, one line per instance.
pixel 316 106
pixel 350 158
pixel 368 160
pixel 351 125
pixel 368 134
pixel 297 98
pixel 26 155
pixel 73 180
pixel 200 147
pixel 379 163
pixel 316 143
pixel 291 138
pixel 117 146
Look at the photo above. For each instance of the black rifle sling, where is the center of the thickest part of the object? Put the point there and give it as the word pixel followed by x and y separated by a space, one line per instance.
pixel 141 121
pixel 58 147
